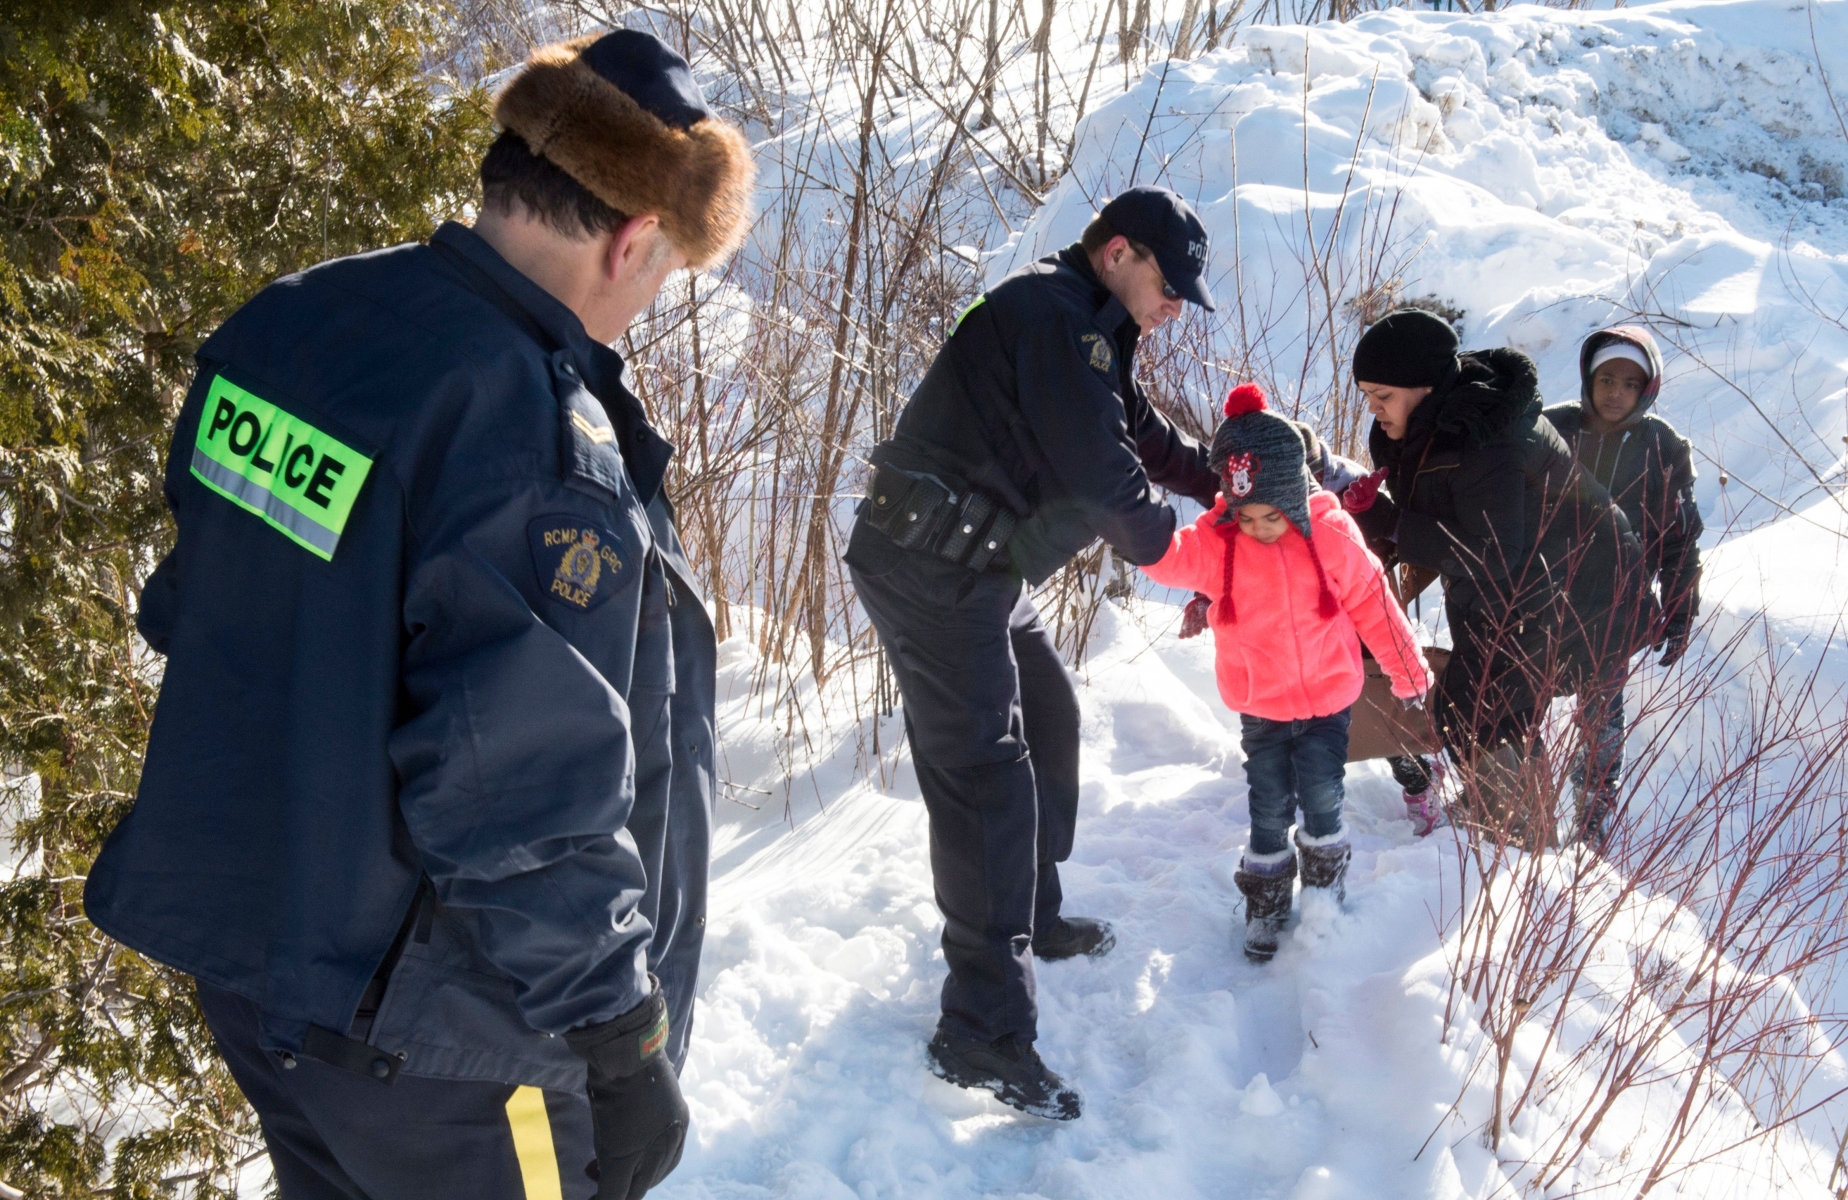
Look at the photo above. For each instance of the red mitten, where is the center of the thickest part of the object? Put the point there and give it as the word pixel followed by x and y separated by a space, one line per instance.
pixel 1193 617
pixel 1360 495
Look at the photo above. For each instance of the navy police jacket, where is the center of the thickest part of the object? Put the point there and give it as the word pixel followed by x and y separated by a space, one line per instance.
pixel 426 619
pixel 1034 401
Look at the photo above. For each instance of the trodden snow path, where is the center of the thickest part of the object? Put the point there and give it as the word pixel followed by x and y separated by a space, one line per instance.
pixel 1320 1074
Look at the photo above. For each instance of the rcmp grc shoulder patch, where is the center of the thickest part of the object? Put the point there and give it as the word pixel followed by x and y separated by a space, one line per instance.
pixel 580 565
pixel 1098 346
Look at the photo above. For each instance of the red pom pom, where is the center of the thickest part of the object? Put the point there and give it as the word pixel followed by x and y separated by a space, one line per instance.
pixel 1245 398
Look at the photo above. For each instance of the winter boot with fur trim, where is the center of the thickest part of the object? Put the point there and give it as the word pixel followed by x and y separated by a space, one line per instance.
pixel 1268 882
pixel 1325 861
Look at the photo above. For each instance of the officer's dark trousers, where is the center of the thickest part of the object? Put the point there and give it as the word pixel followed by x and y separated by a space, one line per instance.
pixel 993 720
pixel 336 1135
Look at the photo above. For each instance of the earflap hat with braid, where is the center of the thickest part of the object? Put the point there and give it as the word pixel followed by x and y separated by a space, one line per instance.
pixel 621 114
pixel 1260 460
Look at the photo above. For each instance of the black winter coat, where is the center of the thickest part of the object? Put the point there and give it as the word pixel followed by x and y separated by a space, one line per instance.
pixel 425 620
pixel 1488 497
pixel 1033 400
pixel 1648 469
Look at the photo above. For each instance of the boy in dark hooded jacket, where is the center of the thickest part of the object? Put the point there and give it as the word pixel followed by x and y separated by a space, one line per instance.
pixel 1648 468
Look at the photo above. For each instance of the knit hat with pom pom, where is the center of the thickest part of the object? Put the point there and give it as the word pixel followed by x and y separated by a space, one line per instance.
pixel 1260 460
pixel 1259 457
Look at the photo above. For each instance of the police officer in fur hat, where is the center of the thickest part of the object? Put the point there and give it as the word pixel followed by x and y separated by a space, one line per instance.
pixel 425 809
pixel 1028 439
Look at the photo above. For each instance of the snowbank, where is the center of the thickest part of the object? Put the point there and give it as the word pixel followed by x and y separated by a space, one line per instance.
pixel 1540 173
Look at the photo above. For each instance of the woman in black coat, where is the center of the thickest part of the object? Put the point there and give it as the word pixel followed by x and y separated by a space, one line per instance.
pixel 1487 497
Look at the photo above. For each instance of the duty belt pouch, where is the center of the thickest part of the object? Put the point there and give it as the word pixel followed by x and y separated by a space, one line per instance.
pixel 992 545
pixel 907 506
pixel 977 533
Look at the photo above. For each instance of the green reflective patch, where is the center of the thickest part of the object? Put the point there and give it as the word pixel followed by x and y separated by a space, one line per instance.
pixel 278 466
pixel 979 301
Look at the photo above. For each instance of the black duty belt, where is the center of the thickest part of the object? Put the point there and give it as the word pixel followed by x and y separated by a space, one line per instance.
pixel 920 511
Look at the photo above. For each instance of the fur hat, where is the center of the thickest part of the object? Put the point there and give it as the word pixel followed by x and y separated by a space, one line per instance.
pixel 621 115
pixel 1260 457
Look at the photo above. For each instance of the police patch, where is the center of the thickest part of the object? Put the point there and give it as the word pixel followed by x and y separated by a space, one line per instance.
pixel 1099 346
pixel 277 466
pixel 580 565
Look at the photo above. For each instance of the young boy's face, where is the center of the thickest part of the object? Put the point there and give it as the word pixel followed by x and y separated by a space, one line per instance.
pixel 1262 522
pixel 1616 387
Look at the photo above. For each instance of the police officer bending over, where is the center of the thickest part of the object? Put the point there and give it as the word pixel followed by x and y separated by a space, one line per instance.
pixel 426 803
pixel 1027 440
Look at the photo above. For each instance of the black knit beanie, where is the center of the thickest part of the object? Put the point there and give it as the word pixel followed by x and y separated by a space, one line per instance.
pixel 1407 347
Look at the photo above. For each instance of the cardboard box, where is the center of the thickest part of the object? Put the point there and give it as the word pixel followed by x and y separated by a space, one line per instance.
pixel 1382 725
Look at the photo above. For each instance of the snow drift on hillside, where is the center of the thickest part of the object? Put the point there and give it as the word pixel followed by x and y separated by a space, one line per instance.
pixel 1542 173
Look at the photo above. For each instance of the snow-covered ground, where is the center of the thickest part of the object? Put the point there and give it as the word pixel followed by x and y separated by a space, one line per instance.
pixel 1318 1075
pixel 1541 173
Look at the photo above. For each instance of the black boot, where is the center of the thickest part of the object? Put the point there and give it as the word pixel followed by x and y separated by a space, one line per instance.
pixel 1267 904
pixel 1013 1072
pixel 1325 862
pixel 1072 936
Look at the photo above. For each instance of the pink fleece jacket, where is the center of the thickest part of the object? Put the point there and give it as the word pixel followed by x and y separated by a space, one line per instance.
pixel 1278 656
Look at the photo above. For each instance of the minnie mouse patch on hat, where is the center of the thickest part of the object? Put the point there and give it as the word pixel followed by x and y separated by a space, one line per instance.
pixel 1239 473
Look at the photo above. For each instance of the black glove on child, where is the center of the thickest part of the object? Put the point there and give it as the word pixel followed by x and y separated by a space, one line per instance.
pixel 638 1118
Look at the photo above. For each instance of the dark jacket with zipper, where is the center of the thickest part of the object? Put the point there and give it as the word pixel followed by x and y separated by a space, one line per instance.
pixel 1033 400
pixel 1648 468
pixel 426 619
pixel 1488 497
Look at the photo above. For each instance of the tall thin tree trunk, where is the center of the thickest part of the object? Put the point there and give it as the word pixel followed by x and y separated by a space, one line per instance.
pixel 991 62
pixel 835 425
pixel 1183 36
pixel 1131 30
pixel 1042 93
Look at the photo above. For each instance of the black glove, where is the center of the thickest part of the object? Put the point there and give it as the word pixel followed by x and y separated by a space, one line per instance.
pixel 1672 642
pixel 638 1118
pixel 1193 617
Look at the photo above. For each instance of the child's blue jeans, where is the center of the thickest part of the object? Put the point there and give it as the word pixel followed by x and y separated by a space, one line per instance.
pixel 1291 765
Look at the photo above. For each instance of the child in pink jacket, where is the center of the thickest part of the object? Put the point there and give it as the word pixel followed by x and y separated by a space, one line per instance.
pixel 1295 590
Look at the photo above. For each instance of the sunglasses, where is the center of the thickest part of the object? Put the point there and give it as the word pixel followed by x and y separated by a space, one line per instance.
pixel 1167 292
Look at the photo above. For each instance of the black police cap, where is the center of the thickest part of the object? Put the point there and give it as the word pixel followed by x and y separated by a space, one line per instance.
pixel 1167 225
pixel 651 74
